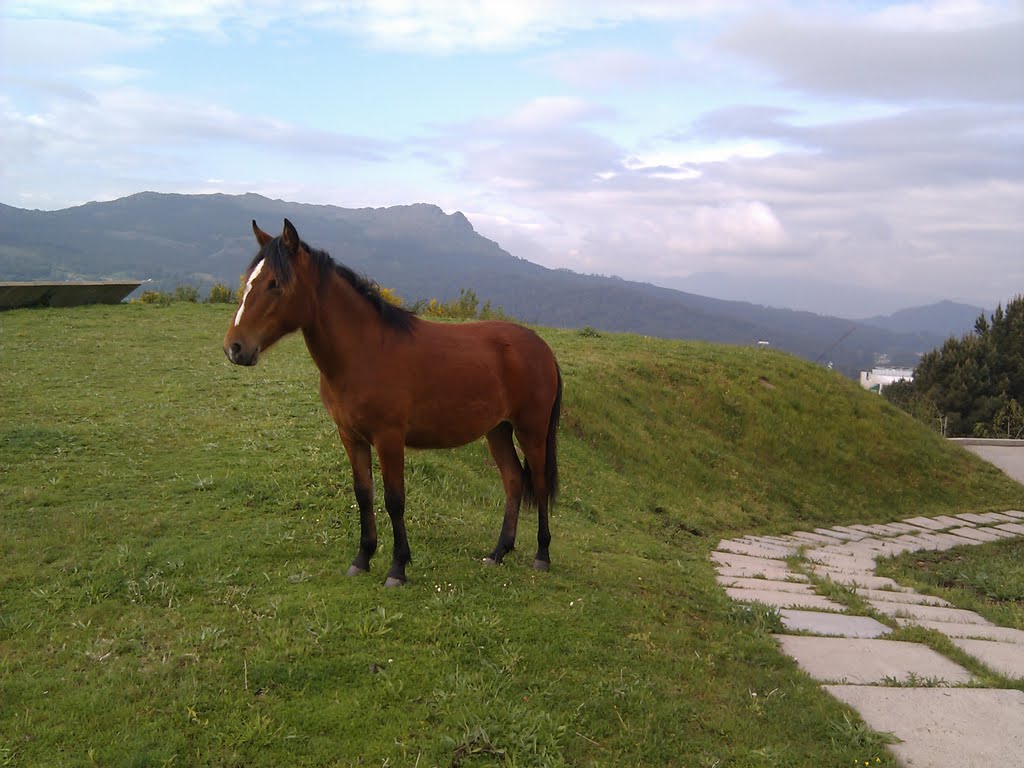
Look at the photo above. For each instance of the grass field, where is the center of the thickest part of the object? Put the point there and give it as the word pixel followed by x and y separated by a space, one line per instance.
pixel 174 532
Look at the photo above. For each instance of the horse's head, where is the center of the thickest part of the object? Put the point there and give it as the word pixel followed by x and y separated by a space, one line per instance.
pixel 273 302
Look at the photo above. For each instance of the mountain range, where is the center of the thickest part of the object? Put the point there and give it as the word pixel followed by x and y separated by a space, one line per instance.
pixel 421 252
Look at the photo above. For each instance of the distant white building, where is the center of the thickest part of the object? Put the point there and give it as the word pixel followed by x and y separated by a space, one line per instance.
pixel 877 379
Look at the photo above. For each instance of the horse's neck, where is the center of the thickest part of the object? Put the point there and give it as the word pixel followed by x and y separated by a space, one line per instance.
pixel 342 323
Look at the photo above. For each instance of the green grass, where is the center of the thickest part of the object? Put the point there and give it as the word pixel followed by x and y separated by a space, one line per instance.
pixel 174 533
pixel 987 579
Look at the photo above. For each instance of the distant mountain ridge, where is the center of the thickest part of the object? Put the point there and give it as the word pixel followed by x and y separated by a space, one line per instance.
pixel 420 252
pixel 945 318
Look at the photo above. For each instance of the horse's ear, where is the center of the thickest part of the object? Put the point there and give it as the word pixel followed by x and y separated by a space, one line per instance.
pixel 261 237
pixel 290 237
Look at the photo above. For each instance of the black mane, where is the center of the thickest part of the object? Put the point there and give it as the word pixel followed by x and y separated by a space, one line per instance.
pixel 278 258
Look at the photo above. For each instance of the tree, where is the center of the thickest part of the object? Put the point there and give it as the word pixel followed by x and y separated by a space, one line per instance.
pixel 977 381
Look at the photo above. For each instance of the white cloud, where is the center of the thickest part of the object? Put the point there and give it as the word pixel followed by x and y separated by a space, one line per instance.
pixel 552 113
pixel 849 56
pixel 54 45
pixel 599 69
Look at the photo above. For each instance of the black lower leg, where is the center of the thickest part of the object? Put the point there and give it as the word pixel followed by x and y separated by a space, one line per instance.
pixel 543 559
pixel 507 537
pixel 394 501
pixel 367 531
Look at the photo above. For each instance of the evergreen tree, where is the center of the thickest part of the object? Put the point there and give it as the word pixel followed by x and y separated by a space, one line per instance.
pixel 975 382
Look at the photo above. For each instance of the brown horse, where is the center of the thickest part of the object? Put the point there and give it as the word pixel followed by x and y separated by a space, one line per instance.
pixel 391 380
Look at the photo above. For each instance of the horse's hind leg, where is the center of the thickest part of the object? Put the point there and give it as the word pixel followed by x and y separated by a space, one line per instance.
pixel 499 440
pixel 391 453
pixel 539 494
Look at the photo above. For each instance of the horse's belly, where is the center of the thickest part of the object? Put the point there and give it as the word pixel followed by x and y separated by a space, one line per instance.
pixel 450 427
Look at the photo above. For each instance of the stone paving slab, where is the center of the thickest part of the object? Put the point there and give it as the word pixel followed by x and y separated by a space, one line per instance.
pixel 944 727
pixel 852 532
pixel 753 550
pixel 1004 658
pixel 907 542
pixel 841 535
pixel 997 517
pixel 776 586
pixel 831 624
pixel 998 532
pixel 971 517
pixel 951 522
pixel 928 612
pixel 977 534
pixel 947 540
pixel 977 631
pixel 905 527
pixel 854 550
pixel 881 548
pixel 909 597
pixel 775 541
pixel 877 529
pixel 813 538
pixel 856 579
pixel 1014 513
pixel 782 599
pixel 1016 528
pixel 843 563
pixel 867 547
pixel 775 574
pixel 925 522
pixel 866 661
pixel 746 561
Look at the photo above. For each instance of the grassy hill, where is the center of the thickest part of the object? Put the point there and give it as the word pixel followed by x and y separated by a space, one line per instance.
pixel 175 532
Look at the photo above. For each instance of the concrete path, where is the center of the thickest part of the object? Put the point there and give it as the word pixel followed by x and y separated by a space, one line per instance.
pixel 1008 455
pixel 906 689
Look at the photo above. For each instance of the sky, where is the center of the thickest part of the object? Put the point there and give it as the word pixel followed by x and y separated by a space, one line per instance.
pixel 856 152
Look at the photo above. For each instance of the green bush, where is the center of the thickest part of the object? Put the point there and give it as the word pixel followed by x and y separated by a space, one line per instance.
pixel 186 292
pixel 221 294
pixel 156 297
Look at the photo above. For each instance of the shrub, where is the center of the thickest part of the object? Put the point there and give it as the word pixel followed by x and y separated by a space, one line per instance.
pixel 186 292
pixel 391 297
pixel 221 294
pixel 465 307
pixel 156 297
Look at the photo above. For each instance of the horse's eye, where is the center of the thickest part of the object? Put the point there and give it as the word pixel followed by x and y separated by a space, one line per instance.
pixel 272 285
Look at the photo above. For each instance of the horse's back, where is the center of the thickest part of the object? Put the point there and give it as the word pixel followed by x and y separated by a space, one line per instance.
pixel 467 378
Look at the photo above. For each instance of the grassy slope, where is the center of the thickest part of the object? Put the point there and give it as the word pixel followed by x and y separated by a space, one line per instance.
pixel 175 530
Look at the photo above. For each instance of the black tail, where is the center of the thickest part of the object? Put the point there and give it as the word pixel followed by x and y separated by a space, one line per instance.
pixel 551 453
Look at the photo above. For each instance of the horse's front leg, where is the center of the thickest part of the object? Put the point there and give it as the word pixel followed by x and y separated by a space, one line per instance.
pixel 362 482
pixel 391 454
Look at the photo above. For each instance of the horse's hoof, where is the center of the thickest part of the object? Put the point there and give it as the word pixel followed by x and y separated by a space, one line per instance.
pixel 490 561
pixel 355 570
pixel 391 581
pixel 541 565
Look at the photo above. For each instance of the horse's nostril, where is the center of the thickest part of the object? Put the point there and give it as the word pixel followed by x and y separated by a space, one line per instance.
pixel 235 349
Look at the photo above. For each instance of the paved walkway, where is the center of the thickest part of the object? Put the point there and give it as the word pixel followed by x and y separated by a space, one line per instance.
pixel 903 688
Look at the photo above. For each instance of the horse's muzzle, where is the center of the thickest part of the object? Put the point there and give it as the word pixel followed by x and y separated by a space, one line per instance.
pixel 238 356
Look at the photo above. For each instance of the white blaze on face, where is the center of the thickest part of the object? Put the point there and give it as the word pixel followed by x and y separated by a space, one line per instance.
pixel 248 287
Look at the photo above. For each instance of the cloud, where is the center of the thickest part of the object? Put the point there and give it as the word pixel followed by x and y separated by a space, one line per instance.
pixel 856 57
pixel 54 45
pixel 599 69
pixel 910 147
